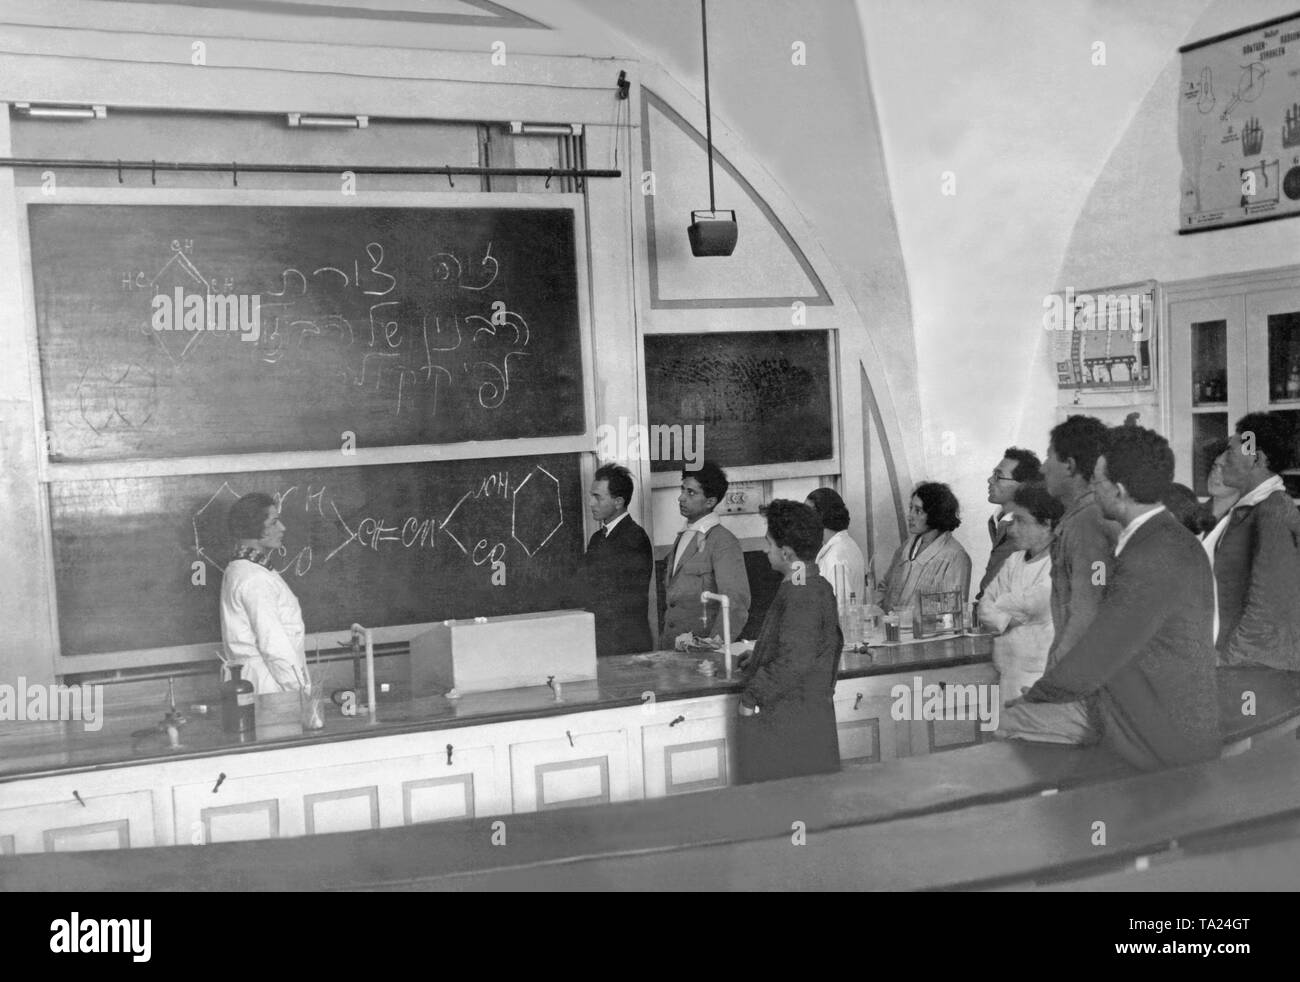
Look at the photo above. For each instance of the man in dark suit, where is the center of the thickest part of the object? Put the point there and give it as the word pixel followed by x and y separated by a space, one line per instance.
pixel 1141 677
pixel 614 578
pixel 1016 468
pixel 1255 549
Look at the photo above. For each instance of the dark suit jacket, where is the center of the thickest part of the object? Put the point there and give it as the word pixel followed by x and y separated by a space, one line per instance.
pixel 1146 662
pixel 1257 568
pixel 614 584
pixel 791 676
pixel 1000 537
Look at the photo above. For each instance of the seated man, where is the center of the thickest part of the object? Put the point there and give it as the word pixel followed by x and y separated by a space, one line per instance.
pixel 705 557
pixel 839 560
pixel 1141 677
pixel 613 580
pixel 1255 550
pixel 1016 468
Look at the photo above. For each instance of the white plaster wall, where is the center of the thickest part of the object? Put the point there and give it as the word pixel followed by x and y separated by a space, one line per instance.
pixel 1004 94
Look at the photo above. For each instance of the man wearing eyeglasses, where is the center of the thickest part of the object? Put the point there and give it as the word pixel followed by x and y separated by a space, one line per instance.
pixel 1016 467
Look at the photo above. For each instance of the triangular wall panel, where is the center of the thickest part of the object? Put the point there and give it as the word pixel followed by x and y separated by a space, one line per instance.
pixel 768 269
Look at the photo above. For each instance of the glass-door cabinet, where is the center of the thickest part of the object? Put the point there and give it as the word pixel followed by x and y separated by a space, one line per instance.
pixel 1234 348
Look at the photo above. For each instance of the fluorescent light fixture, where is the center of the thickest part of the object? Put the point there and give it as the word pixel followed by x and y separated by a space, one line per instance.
pixel 61 112
pixel 297 120
pixel 518 128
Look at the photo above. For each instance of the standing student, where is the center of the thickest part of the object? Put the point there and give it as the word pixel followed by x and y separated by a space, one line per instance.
pixel 1255 550
pixel 1016 468
pixel 931 560
pixel 839 560
pixel 705 557
pixel 261 621
pixel 613 579
pixel 1018 603
pixel 1141 676
pixel 1084 545
pixel 787 709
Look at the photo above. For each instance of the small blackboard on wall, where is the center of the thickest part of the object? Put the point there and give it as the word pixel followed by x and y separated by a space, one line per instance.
pixel 761 397
pixel 382 544
pixel 399 326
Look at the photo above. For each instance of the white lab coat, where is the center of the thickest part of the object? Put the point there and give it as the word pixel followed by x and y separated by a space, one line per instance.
pixel 1018 603
pixel 841 564
pixel 262 628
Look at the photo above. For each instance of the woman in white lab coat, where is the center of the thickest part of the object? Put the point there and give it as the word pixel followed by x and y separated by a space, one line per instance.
pixel 261 621
pixel 1018 603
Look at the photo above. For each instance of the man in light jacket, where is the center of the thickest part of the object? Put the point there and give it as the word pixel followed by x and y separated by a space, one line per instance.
pixel 705 557
pixel 1255 549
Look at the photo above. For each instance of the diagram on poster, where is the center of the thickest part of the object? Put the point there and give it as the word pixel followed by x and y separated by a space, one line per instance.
pixel 1239 126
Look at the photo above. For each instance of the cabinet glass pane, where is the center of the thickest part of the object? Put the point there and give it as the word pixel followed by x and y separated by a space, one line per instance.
pixel 1209 362
pixel 1284 356
pixel 1292 477
pixel 1209 432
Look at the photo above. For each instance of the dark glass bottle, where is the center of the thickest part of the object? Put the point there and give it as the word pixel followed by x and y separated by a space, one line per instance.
pixel 238 703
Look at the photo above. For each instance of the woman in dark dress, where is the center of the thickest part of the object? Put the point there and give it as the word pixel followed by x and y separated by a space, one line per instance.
pixel 787 724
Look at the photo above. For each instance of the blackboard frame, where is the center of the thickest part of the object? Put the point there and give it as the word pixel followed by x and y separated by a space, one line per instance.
pixel 49 472
pixel 783 469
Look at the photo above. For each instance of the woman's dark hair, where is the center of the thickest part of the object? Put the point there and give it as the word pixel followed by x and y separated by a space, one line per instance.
pixel 831 509
pixel 794 524
pixel 940 505
pixel 1044 508
pixel 1183 505
pixel 247 516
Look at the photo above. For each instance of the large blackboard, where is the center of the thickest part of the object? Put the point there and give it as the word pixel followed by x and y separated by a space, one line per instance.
pixel 383 545
pixel 398 326
pixel 757 397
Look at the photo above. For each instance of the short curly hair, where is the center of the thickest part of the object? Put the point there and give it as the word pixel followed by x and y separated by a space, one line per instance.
pixel 942 511
pixel 794 524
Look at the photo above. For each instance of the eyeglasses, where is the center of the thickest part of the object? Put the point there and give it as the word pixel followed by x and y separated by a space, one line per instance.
pixel 995 476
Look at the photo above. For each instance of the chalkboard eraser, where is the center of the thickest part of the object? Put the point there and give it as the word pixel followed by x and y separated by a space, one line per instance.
pixel 480 620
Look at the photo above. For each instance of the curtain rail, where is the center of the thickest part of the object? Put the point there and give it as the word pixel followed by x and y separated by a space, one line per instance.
pixel 236 167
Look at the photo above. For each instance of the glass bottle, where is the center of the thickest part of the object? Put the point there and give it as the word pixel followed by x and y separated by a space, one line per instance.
pixel 238 703
pixel 854 633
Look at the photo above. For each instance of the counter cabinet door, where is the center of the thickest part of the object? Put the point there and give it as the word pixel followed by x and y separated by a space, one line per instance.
pixel 383 793
pixel 971 693
pixel 867 732
pixel 687 748
pixel 112 821
pixel 574 767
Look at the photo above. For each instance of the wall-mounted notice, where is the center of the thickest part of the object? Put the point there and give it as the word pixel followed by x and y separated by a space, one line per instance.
pixel 1239 126
pixel 169 330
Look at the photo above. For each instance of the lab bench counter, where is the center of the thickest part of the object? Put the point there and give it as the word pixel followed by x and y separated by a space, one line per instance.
pixel 621 681
pixel 641 730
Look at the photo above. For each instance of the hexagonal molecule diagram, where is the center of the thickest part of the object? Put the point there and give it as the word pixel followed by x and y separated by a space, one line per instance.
pixel 536 513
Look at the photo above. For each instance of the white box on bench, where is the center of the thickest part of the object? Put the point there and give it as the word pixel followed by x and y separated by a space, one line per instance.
pixel 505 652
